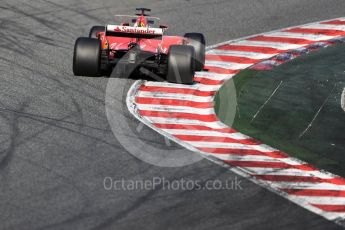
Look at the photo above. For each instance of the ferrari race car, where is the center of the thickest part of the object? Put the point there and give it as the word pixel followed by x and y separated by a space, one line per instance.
pixel 138 42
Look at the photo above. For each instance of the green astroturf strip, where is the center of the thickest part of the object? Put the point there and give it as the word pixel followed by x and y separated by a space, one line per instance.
pixel 296 107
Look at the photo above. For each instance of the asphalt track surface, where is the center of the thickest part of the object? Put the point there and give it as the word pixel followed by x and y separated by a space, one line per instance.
pixel 56 143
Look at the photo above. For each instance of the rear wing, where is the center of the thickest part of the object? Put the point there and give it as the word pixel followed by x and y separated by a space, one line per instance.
pixel 131 31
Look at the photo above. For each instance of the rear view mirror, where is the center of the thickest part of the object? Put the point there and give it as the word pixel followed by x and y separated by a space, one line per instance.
pixel 164 27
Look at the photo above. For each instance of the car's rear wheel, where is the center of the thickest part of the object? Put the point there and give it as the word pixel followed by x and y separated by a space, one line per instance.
pixel 197 40
pixel 181 64
pixel 95 30
pixel 87 57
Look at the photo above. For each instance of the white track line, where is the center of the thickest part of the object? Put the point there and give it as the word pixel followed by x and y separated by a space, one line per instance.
pixel 288 172
pixel 305 185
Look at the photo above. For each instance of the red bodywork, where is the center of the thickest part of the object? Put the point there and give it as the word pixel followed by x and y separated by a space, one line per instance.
pixel 156 45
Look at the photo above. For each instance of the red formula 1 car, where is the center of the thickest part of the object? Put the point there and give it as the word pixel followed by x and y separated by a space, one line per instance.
pixel 138 42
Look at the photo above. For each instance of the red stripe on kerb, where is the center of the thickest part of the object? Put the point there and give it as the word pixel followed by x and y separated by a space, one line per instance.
pixel 173 102
pixel 220 70
pixel 314 192
pixel 193 127
pixel 316 31
pixel 334 22
pixel 330 207
pixel 263 164
pixel 255 49
pixel 207 81
pixel 300 179
pixel 248 141
pixel 176 90
pixel 188 116
pixel 274 154
pixel 281 39
pixel 242 60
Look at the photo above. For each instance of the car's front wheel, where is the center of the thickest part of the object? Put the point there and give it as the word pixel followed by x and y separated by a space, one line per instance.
pixel 181 63
pixel 87 57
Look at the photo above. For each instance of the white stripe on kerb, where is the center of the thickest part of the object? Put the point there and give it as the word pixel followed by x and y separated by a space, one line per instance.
pixel 306 185
pixel 227 65
pixel 237 136
pixel 311 37
pixel 213 76
pixel 275 45
pixel 252 55
pixel 196 86
pixel 162 120
pixel 324 200
pixel 175 109
pixel 187 97
pixel 325 27
pixel 287 172
pixel 237 157
pixel 204 144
